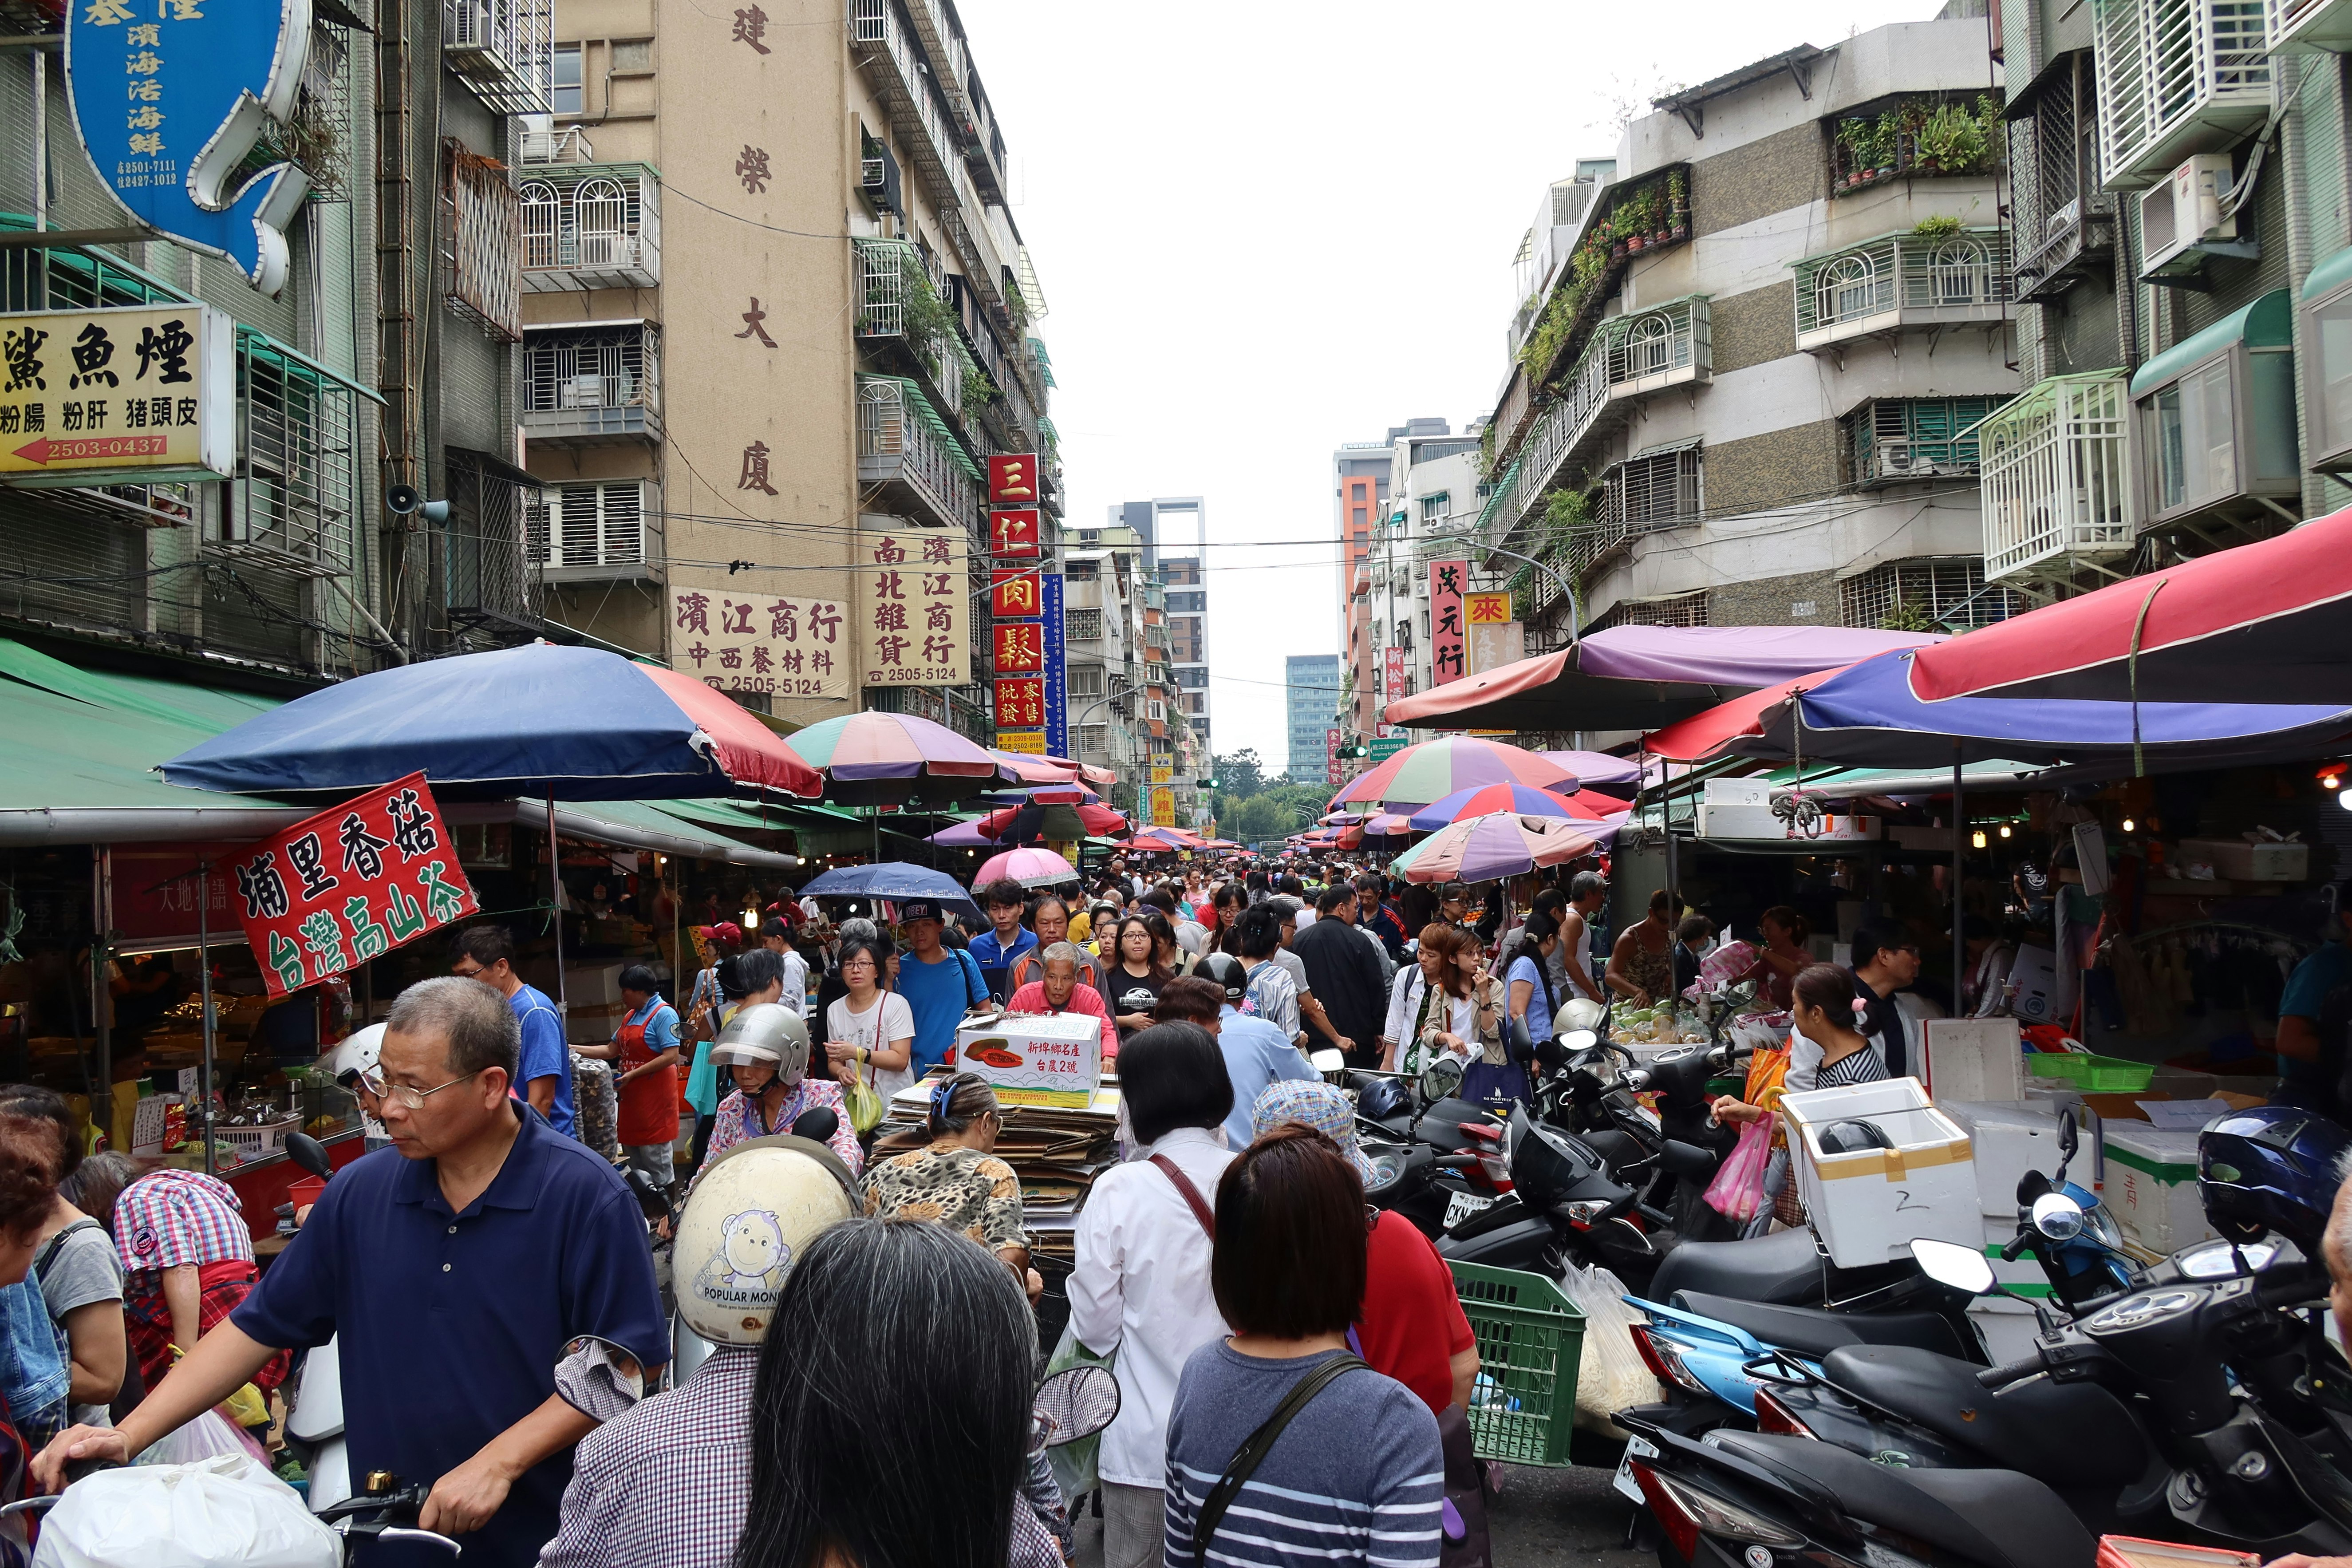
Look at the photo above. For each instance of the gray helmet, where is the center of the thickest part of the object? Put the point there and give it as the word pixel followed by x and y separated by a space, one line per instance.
pixel 765 1032
pixel 1224 969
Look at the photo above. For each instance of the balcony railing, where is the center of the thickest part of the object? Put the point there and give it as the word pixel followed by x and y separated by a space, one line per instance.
pixel 1901 281
pixel 593 530
pixel 1628 358
pixel 592 226
pixel 904 446
pixel 503 49
pixel 557 145
pixel 2178 77
pixel 2057 475
pixel 2299 26
pixel 587 382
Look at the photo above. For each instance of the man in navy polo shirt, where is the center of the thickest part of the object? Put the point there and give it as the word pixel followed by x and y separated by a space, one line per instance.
pixel 453 1266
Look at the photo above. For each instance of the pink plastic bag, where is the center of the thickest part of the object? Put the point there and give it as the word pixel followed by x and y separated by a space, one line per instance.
pixel 1738 1185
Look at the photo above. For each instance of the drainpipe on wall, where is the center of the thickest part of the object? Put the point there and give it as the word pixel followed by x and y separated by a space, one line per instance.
pixel 2298 249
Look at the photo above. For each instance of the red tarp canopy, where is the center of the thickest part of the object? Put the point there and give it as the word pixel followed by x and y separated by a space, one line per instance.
pixel 1701 733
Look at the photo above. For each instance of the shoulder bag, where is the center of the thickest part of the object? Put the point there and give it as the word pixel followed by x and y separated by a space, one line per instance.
pixel 1191 1195
pixel 1256 1447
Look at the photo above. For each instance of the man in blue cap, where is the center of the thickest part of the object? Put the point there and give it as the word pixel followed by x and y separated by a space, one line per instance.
pixel 941 984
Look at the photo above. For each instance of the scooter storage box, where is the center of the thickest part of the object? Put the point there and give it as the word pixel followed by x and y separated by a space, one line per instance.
pixel 1870 1204
pixel 2007 1138
pixel 2151 1185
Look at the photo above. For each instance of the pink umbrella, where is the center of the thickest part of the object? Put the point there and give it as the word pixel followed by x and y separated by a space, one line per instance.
pixel 1031 867
pixel 1035 770
pixel 1435 769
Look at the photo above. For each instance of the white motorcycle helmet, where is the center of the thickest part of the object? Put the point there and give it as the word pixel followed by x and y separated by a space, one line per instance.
pixel 752 1214
pixel 767 1032
pixel 1583 1013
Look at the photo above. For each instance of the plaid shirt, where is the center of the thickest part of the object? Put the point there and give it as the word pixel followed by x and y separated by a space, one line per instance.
pixel 667 1485
pixel 169 1217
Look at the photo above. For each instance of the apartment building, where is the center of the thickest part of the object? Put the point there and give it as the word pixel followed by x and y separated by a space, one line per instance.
pixel 370 341
pixel 2182 229
pixel 1121 633
pixel 726 403
pixel 1310 706
pixel 1745 389
pixel 1418 491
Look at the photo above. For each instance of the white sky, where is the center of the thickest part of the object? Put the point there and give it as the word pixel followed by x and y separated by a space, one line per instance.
pixel 1265 228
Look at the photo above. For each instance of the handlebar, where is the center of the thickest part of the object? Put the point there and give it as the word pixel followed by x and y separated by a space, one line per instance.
pixel 2017 1247
pixel 2014 1371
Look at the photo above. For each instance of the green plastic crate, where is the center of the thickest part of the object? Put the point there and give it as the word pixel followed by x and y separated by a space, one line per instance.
pixel 2093 1074
pixel 1530 1345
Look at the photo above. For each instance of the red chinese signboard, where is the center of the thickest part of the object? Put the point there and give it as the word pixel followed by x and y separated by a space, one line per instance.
pixel 1392 672
pixel 1021 704
pixel 1019 648
pixel 348 885
pixel 1014 534
pixel 1331 756
pixel 1013 478
pixel 1446 644
pixel 1013 596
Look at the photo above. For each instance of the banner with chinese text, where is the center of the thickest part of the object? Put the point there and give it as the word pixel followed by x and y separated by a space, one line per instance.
pixel 1331 756
pixel 1494 643
pixel 1392 672
pixel 1020 647
pixel 1163 807
pixel 349 885
pixel 1015 593
pixel 1057 673
pixel 913 600
pixel 1013 478
pixel 740 641
pixel 1014 535
pixel 1448 656
pixel 148 390
pixel 1020 705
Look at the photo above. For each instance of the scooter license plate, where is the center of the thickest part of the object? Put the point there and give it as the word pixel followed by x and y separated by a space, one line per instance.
pixel 1460 1207
pixel 1636 1448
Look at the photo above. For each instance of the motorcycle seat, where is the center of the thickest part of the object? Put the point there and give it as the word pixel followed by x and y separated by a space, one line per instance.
pixel 1441 1125
pixel 1784 1267
pixel 1812 1331
pixel 2077 1435
pixel 1999 1519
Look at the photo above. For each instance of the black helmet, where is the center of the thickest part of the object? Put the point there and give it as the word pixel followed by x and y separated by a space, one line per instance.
pixel 2270 1167
pixel 1854 1138
pixel 1224 969
pixel 1382 1097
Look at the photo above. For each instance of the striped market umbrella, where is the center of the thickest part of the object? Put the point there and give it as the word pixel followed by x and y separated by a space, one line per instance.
pixel 873 758
pixel 1034 770
pixel 1435 769
pixel 1484 800
pixel 1487 848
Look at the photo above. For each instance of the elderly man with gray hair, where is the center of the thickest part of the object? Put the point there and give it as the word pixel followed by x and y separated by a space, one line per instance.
pixel 450 1270
pixel 1061 991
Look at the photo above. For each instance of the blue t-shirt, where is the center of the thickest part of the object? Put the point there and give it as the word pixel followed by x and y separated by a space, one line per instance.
pixel 1527 967
pixel 991 953
pixel 449 1326
pixel 544 1054
pixel 2305 995
pixel 938 994
pixel 1256 1054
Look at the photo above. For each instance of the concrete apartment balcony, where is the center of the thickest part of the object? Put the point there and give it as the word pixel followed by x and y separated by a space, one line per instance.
pixel 2057 477
pixel 1903 282
pixel 591 383
pixel 588 226
pixel 904 449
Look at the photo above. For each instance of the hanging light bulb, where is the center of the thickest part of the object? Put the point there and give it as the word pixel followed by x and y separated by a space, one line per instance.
pixel 2004 830
pixel 2129 824
pixel 1977 839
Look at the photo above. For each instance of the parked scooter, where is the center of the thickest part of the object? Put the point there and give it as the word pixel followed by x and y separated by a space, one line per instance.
pixel 1565 1208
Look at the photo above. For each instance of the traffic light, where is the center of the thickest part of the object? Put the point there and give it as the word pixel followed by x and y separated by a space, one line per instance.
pixel 1205 783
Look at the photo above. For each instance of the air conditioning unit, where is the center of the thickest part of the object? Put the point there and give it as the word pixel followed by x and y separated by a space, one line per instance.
pixel 1901 459
pixel 1894 458
pixel 2181 220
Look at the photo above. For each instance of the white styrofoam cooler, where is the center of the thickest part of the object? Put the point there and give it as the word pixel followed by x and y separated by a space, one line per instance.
pixel 1974 1059
pixel 2151 1185
pixel 2008 1138
pixel 1868 1207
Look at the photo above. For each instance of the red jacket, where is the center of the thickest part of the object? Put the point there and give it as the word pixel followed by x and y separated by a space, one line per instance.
pixel 1084 998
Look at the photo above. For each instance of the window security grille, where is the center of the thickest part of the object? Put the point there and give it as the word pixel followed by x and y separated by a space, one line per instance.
pixel 1688 610
pixel 1897 439
pixel 1094 738
pixel 591 369
pixel 297 462
pixel 589 525
pixel 1903 593
pixel 1083 625
pixel 482 221
pixel 1657 491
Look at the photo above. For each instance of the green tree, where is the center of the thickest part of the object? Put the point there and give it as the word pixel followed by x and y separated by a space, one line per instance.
pixel 1239 775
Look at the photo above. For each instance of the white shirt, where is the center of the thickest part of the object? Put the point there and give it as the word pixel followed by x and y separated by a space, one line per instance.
pixel 795 994
pixel 1405 996
pixel 1142 1288
pixel 878 1029
pixel 1306 917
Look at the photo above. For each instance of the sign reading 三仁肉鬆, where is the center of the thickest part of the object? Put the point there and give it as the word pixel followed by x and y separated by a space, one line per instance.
pixel 1020 705
pixel 1012 480
pixel 1057 673
pixel 1015 593
pixel 914 597
pixel 741 641
pixel 1028 742
pixel 349 885
pixel 1013 535
pixel 1448 655
pixel 146 391
pixel 1020 647
pixel 1163 807
pixel 169 97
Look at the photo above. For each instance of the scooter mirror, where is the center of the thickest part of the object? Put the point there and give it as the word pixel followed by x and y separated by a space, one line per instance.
pixel 2029 1186
pixel 2057 1216
pixel 1517 1038
pixel 1961 1267
pixel 1441 1079
pixel 2068 1139
pixel 308 1152
pixel 818 1124
pixel 1328 1062
pixel 1551 1054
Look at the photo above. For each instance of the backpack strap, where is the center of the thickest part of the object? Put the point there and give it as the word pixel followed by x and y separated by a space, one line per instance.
pixel 1256 1447
pixel 50 1252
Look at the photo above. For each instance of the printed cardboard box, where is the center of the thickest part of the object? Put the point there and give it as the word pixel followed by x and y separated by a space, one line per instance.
pixel 1035 1058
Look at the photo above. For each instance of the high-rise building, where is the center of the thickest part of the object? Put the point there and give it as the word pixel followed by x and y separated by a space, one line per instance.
pixel 1311 703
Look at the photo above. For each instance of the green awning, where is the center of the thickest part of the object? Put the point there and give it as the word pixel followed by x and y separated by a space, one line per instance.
pixel 642 824
pixel 2332 273
pixel 2267 324
pixel 737 816
pixel 1845 784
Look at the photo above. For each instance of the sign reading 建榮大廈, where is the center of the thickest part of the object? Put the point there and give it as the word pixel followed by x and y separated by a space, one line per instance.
pixel 143 391
pixel 169 96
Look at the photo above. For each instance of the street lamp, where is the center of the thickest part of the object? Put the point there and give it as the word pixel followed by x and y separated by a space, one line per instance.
pixel 1575 611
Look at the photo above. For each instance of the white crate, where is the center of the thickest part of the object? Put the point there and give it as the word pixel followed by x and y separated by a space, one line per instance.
pixel 256 1143
pixel 1974 1059
pixel 2151 1187
pixel 1868 1207
pixel 2008 1138
pixel 1035 1058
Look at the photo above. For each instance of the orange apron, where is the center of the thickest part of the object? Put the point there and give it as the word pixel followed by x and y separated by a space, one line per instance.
pixel 648 1109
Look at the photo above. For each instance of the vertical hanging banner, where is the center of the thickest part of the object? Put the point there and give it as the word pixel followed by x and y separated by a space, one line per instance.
pixel 1448 652
pixel 1163 807
pixel 1012 480
pixel 1057 674
pixel 913 599
pixel 349 885
pixel 1331 756
pixel 1014 593
pixel 1019 704
pixel 169 100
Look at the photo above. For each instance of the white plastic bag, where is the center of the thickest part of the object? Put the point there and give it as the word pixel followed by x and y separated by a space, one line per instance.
pixel 209 1435
pixel 1610 1374
pixel 217 1512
